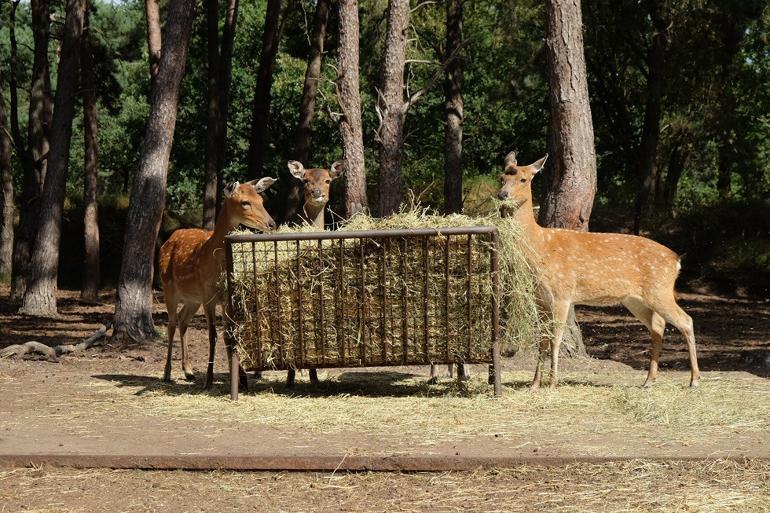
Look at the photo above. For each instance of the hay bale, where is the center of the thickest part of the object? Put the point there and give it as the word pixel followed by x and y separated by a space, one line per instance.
pixel 300 281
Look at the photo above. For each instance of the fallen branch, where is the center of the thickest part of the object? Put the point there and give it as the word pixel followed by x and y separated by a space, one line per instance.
pixel 53 352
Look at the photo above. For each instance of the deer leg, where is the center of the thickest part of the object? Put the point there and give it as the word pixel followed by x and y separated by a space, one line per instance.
pixel 185 315
pixel 462 372
pixel 313 375
pixel 433 374
pixel 683 322
pixel 561 311
pixel 657 325
pixel 171 309
pixel 540 362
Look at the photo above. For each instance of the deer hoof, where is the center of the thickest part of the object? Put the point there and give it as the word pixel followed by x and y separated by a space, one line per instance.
pixel 648 383
pixel 432 381
pixel 694 383
pixel 189 376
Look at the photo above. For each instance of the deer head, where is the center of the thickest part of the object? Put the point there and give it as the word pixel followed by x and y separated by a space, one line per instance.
pixel 316 181
pixel 516 181
pixel 244 204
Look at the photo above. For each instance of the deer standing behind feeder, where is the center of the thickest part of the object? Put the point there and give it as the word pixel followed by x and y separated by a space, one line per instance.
pixel 315 186
pixel 192 262
pixel 597 269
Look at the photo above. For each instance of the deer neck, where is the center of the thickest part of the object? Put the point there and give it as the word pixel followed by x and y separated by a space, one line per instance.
pixel 224 225
pixel 314 215
pixel 525 216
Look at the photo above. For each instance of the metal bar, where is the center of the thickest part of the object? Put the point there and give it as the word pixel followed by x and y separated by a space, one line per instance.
pixel 446 300
pixel 469 294
pixel 363 318
pixel 496 316
pixel 299 350
pixel 383 265
pixel 321 296
pixel 279 313
pixel 257 327
pixel 404 303
pixel 344 291
pixel 425 298
pixel 360 234
pixel 234 365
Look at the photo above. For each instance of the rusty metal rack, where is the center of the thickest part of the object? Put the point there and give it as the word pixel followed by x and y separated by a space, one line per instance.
pixel 362 299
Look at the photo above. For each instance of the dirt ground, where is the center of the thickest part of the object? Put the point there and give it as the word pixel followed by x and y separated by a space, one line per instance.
pixel 111 401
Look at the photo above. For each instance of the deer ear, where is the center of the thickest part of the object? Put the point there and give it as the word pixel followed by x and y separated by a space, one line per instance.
pixel 230 189
pixel 510 159
pixel 337 169
pixel 537 166
pixel 296 169
pixel 263 184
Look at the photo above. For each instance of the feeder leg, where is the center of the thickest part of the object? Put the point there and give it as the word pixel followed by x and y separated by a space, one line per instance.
pixel 234 375
pixel 290 378
pixel 313 376
pixel 462 373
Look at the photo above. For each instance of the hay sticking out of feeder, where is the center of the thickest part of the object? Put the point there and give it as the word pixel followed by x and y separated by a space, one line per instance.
pixel 301 303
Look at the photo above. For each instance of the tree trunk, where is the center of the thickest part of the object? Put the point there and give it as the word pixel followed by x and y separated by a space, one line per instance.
pixel 648 146
pixel 727 123
pixel 392 107
pixel 90 284
pixel 349 99
pixel 133 311
pixel 290 188
pixel 40 296
pixel 6 198
pixel 572 182
pixel 676 164
pixel 261 109
pixel 33 152
pixel 213 126
pixel 453 110
pixel 152 11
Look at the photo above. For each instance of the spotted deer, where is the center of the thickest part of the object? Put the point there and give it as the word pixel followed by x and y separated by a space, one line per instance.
pixel 316 183
pixel 581 268
pixel 192 261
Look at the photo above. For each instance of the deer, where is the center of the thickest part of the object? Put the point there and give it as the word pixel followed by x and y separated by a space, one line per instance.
pixel 596 269
pixel 316 183
pixel 192 262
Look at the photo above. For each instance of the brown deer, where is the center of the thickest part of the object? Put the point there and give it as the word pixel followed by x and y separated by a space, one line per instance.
pixel 192 261
pixel 580 268
pixel 315 195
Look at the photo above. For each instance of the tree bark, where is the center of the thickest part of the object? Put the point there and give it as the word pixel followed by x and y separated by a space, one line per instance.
pixel 572 180
pixel 32 152
pixel 676 163
pixel 40 296
pixel 289 188
pixel 727 123
pixel 133 311
pixel 392 107
pixel 453 110
pixel 152 12
pixel 648 146
pixel 90 283
pixel 220 57
pixel 6 198
pixel 349 100
pixel 261 108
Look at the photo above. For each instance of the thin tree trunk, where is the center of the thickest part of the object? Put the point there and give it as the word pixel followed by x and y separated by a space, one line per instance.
pixel 152 12
pixel 727 123
pixel 290 188
pixel 676 164
pixel 261 109
pixel 349 99
pixel 392 107
pixel 40 296
pixel 214 124
pixel 453 110
pixel 572 181
pixel 220 78
pixel 90 284
pixel 32 152
pixel 648 146
pixel 133 311
pixel 6 198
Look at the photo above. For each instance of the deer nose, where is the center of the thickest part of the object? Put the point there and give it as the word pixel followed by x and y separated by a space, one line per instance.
pixel 271 224
pixel 317 193
pixel 502 195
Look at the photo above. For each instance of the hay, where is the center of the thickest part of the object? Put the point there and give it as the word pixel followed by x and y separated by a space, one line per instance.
pixel 313 318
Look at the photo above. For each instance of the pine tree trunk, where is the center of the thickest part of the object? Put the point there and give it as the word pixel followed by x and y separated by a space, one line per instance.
pixel 261 108
pixel 648 146
pixel 349 99
pixel 40 296
pixel 6 198
pixel 33 152
pixel 453 111
pixel 90 284
pixel 290 188
pixel 393 107
pixel 213 126
pixel 572 182
pixel 154 38
pixel 133 311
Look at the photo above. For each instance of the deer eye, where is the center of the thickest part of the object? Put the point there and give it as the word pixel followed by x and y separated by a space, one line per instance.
pixel 523 180
pixel 328 181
